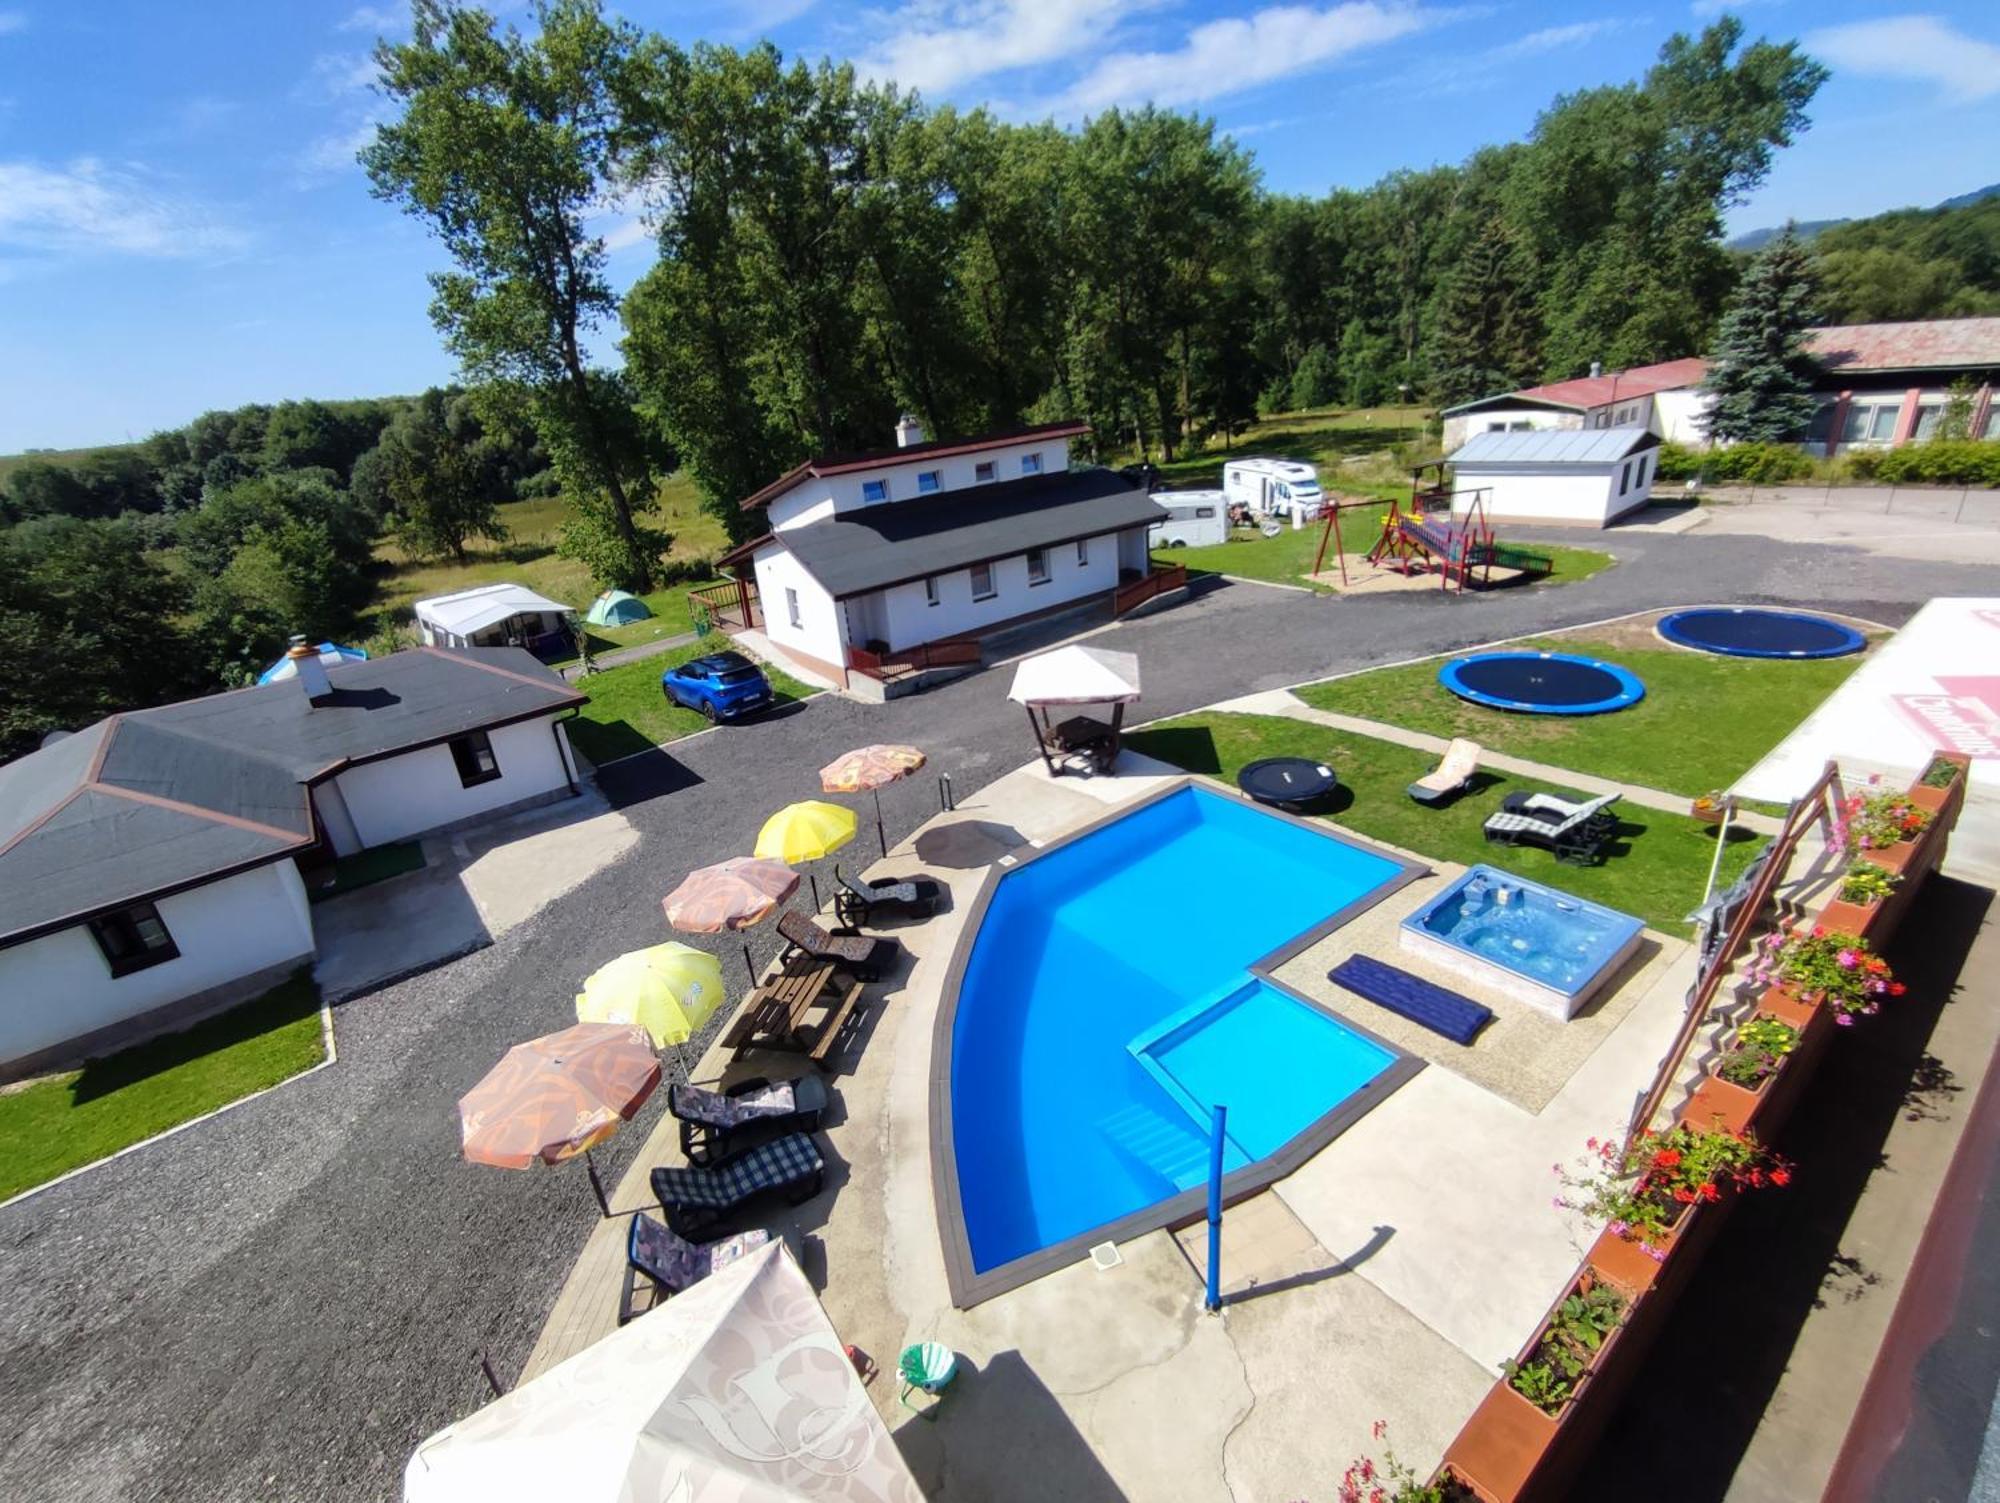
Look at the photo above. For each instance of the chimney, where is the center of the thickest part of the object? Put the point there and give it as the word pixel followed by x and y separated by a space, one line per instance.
pixel 908 431
pixel 311 671
pixel 1596 369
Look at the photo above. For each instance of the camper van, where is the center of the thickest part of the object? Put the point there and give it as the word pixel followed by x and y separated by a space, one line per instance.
pixel 1275 488
pixel 1194 519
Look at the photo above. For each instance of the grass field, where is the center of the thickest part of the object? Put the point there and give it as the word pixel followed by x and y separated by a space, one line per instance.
pixel 1655 867
pixel 1288 558
pixel 628 712
pixel 1347 445
pixel 67 1121
pixel 1703 723
pixel 11 462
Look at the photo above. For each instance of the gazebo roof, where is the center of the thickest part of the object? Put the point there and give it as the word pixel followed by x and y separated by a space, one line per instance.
pixel 1077 676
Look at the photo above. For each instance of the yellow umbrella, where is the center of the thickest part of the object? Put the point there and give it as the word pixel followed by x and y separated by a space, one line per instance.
pixel 669 990
pixel 805 832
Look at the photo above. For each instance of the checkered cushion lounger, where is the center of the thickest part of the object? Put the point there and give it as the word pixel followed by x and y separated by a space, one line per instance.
pixel 770 1166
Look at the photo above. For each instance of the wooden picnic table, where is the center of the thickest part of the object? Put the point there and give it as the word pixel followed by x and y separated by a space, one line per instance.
pixel 774 1015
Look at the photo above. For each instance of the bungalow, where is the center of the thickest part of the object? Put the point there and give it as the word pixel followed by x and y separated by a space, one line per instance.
pixel 1561 478
pixel 150 863
pixel 873 557
pixel 1882 385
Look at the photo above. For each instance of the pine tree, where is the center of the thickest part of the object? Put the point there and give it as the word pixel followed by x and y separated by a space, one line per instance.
pixel 1760 372
pixel 1486 339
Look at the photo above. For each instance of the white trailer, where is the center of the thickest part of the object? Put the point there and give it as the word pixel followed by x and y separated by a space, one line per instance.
pixel 1194 519
pixel 1283 488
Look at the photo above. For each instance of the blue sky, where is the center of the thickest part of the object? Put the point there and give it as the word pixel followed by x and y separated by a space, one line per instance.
pixel 182 225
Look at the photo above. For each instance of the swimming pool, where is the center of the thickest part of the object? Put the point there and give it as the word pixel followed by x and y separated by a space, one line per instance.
pixel 1540 945
pixel 1109 993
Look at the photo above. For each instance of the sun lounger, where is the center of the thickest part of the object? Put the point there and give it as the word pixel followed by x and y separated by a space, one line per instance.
pixel 1554 808
pixel 1579 838
pixel 859 954
pixel 856 902
pixel 694 1199
pixel 715 1125
pixel 658 1255
pixel 1450 777
pixel 1436 1008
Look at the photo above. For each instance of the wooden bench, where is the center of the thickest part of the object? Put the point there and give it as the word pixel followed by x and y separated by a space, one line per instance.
pixel 774 1015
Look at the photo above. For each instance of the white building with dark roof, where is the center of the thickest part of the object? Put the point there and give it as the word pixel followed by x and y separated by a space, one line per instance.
pixel 874 558
pixel 150 863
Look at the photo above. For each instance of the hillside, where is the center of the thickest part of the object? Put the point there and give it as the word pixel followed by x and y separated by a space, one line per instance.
pixel 1808 229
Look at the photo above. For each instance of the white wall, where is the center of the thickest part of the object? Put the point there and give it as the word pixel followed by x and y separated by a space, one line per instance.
pixel 1504 419
pixel 815 500
pixel 421 790
pixel 1679 414
pixel 1582 494
pixel 819 632
pixel 60 987
pixel 910 619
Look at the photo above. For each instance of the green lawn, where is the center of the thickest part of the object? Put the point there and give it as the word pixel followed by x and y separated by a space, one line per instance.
pixel 1656 864
pixel 1333 439
pixel 1705 719
pixel 67 1121
pixel 628 712
pixel 1288 558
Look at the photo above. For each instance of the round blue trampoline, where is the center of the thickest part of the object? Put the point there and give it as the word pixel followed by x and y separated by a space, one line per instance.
pixel 1542 683
pixel 1743 632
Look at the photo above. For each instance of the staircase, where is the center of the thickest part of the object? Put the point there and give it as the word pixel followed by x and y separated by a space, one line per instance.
pixel 1166 1146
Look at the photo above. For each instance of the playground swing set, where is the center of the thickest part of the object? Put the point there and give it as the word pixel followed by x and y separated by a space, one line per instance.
pixel 1433 533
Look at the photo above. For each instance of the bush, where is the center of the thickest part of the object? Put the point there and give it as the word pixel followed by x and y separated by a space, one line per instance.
pixel 1942 462
pixel 1735 464
pixel 1679 462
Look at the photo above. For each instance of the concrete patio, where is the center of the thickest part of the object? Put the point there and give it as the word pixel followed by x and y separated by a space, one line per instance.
pixel 1421 1245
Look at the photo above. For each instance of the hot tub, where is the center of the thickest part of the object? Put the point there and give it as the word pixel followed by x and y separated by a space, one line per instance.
pixel 1535 944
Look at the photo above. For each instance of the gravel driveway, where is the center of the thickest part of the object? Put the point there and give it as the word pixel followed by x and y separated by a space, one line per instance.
pixel 281 1302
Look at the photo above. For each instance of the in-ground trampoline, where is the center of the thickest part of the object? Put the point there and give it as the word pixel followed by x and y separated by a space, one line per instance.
pixel 1742 632
pixel 1542 683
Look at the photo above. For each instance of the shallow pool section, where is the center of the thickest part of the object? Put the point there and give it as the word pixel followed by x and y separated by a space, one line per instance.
pixel 1108 998
pixel 1536 944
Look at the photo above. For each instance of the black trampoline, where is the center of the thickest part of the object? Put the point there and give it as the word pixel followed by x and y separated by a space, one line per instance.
pixel 1542 683
pixel 1741 632
pixel 1287 782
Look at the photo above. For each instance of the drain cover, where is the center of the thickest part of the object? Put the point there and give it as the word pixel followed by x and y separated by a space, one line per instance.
pixel 1105 1255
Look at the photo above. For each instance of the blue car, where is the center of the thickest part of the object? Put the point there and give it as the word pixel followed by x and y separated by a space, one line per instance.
pixel 723 686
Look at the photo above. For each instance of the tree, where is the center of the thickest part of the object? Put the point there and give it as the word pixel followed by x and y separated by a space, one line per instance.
pixel 1484 339
pixel 504 146
pixel 1760 372
pixel 294 545
pixel 438 482
pixel 1316 383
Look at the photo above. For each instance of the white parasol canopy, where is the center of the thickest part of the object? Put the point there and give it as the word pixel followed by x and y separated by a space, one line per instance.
pixel 734 1391
pixel 1077 676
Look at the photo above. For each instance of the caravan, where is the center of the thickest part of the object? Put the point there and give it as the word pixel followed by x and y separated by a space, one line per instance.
pixel 1274 488
pixel 1194 519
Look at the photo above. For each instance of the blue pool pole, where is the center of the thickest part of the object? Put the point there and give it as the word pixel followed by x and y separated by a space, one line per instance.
pixel 1214 1301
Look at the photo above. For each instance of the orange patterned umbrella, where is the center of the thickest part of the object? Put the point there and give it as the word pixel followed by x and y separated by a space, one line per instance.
pixel 869 768
pixel 732 894
pixel 557 1096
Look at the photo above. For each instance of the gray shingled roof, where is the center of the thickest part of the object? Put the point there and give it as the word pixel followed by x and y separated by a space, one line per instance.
pixel 877 546
pixel 1554 446
pixel 146 802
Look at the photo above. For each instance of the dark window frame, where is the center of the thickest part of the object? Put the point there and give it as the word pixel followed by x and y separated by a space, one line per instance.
pixel 1037 577
pixel 123 944
pixel 465 756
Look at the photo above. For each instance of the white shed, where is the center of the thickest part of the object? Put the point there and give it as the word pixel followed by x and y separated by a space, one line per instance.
pixel 1565 477
pixel 495 615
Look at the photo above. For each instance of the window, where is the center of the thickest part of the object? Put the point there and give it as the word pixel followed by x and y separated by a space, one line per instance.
pixel 474 755
pixel 1928 416
pixel 1870 422
pixel 1205 513
pixel 1992 429
pixel 133 938
pixel 1083 553
pixel 930 590
pixel 1624 477
pixel 928 481
pixel 792 608
pixel 874 490
pixel 1038 566
pixel 985 472
pixel 1031 464
pixel 982 582
pixel 1640 479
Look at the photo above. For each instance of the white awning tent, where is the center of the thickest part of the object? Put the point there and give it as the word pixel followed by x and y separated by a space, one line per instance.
pixel 469 611
pixel 1077 676
pixel 1934 686
pixel 735 1391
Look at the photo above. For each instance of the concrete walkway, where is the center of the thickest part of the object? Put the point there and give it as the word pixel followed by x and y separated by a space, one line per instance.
pixel 1284 702
pixel 622 655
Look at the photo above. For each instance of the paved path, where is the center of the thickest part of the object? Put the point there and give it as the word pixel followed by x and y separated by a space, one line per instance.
pixel 283 1301
pixel 644 650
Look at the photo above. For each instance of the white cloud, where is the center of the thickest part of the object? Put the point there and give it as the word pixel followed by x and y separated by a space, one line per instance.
pixel 1226 56
pixel 333 153
pixel 627 233
pixel 89 207
pixel 12 21
pixel 935 45
pixel 1552 39
pixel 336 74
pixel 1709 9
pixel 1922 49
pixel 376 18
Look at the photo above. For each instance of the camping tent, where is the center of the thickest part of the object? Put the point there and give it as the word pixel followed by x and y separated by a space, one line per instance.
pixel 734 1391
pixel 330 653
pixel 617 608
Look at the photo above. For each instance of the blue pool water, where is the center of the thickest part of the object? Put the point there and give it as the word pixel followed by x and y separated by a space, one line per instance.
pixel 1107 1003
pixel 1534 931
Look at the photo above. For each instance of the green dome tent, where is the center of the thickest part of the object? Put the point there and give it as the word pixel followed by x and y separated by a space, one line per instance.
pixel 617 608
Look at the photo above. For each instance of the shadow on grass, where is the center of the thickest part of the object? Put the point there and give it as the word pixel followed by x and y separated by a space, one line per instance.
pixel 284 1004
pixel 607 740
pixel 1191 747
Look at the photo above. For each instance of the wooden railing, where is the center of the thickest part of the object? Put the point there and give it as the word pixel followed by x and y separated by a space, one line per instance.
pixel 953 652
pixel 731 605
pixel 1797 821
pixel 1129 597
